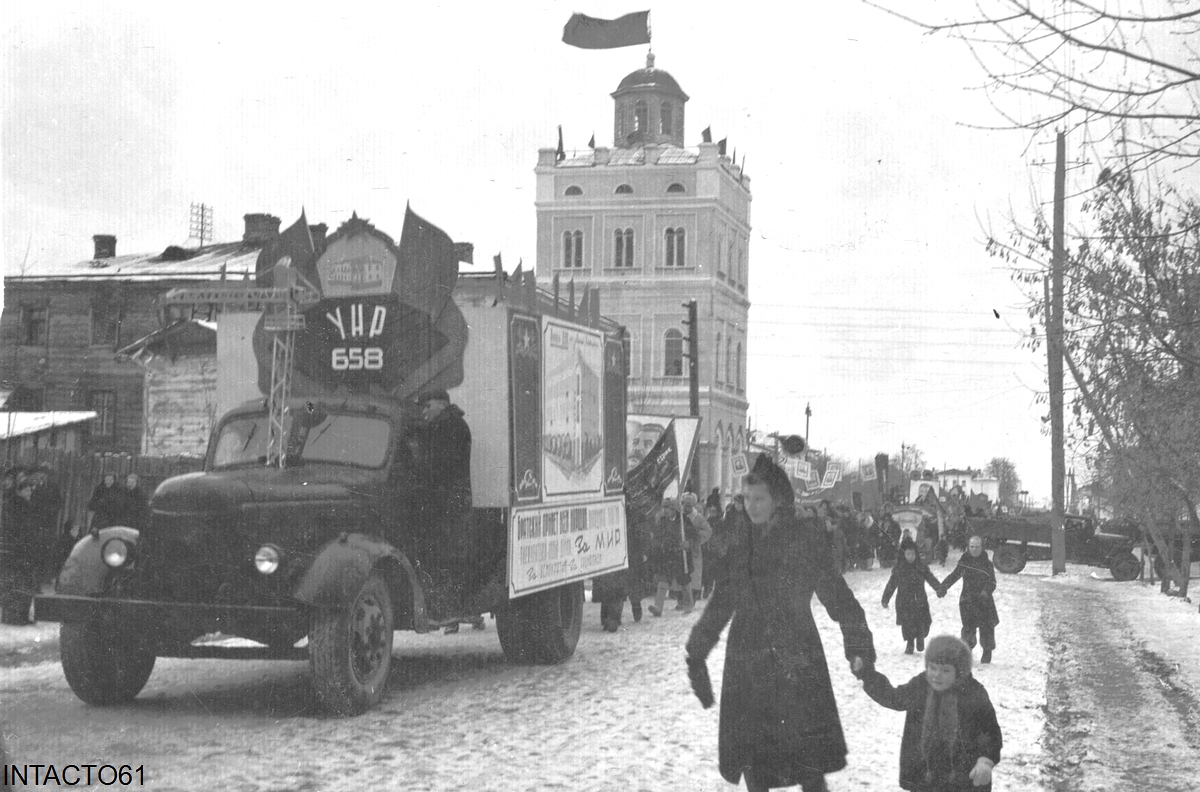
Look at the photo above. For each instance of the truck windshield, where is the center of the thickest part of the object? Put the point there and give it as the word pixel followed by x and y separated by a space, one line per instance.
pixel 356 440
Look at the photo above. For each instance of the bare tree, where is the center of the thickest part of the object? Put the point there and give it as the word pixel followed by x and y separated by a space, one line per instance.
pixel 1129 77
pixel 1003 469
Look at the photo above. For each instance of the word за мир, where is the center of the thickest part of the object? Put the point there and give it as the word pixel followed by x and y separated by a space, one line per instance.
pixel 72 775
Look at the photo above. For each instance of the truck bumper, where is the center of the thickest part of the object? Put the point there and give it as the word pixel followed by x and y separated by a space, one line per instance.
pixel 63 607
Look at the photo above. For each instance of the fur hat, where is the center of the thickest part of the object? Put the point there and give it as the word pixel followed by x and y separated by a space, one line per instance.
pixel 767 472
pixel 950 650
pixel 432 394
pixel 907 543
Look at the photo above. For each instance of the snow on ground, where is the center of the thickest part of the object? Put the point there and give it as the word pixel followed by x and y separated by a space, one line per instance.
pixel 617 716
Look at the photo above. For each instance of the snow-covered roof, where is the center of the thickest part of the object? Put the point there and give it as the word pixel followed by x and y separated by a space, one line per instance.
pixel 236 258
pixel 19 424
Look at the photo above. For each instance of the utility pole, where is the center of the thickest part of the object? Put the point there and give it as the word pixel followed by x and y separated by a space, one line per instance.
pixel 807 415
pixel 201 223
pixel 1054 369
pixel 693 355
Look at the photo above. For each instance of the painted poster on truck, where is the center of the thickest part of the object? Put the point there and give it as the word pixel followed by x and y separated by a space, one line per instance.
pixel 572 404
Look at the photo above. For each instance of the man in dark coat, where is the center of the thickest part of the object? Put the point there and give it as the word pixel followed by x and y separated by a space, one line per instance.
pixel 613 589
pixel 908 580
pixel 779 720
pixel 975 603
pixel 443 479
pixel 889 544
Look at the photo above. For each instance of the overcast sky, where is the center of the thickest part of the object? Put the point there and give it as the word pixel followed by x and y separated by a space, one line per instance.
pixel 872 296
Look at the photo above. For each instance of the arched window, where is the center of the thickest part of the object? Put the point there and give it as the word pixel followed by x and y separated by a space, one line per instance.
pixel 737 363
pixel 573 190
pixel 676 248
pixel 717 360
pixel 728 358
pixel 624 189
pixel 673 353
pixel 623 248
pixel 639 117
pixel 572 249
pixel 666 126
pixel 676 187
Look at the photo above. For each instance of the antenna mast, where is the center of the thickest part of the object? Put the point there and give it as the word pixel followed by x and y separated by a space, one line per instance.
pixel 200 225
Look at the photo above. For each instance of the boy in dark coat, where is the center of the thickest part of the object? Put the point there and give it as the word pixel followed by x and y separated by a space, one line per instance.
pixel 951 739
pixel 975 603
pixel 909 576
pixel 779 720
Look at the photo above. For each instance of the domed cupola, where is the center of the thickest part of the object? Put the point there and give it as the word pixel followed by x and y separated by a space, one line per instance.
pixel 649 108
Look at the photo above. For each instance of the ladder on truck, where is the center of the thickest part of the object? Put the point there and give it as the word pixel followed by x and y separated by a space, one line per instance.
pixel 283 307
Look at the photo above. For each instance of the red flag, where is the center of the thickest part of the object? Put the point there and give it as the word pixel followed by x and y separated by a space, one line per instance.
pixel 588 33
pixel 296 246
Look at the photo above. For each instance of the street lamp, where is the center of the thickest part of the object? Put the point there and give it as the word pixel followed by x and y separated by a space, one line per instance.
pixel 807 415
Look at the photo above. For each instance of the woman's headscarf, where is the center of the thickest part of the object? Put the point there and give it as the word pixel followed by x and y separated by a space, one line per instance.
pixel 767 472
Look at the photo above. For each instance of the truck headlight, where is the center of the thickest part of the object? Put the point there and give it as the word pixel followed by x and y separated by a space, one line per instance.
pixel 266 560
pixel 115 553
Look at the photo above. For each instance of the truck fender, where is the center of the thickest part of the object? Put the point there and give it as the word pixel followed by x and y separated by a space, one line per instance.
pixel 341 568
pixel 84 573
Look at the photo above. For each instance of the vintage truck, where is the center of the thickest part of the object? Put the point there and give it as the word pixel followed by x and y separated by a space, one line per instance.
pixel 323 550
pixel 1017 540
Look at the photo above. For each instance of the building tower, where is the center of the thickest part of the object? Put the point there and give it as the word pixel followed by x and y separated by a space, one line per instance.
pixel 652 224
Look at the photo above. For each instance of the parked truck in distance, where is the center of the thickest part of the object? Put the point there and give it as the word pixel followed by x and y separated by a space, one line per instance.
pixel 327 552
pixel 1017 540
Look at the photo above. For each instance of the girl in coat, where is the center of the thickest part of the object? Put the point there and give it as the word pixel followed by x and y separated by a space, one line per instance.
pixel 951 739
pixel 909 576
pixel 975 604
pixel 779 721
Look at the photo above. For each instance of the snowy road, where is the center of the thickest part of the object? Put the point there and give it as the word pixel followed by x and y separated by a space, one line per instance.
pixel 618 716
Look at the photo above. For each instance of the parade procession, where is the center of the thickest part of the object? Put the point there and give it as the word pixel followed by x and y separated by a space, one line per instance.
pixel 355 457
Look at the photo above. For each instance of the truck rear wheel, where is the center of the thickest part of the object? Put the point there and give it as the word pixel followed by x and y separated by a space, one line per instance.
pixel 1125 566
pixel 350 650
pixel 1009 560
pixel 542 628
pixel 103 665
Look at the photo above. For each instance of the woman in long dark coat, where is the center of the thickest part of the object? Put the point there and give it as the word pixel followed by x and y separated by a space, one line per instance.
pixel 976 605
pixel 909 576
pixel 779 720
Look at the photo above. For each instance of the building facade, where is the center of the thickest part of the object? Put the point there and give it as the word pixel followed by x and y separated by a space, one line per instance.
pixel 653 224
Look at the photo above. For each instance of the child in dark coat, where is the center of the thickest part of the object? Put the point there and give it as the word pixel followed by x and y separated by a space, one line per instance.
pixel 909 576
pixel 951 736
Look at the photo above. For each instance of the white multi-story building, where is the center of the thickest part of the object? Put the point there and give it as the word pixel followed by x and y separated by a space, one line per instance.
pixel 652 224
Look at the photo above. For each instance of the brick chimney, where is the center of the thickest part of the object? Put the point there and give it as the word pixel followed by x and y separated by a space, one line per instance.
pixel 317 232
pixel 106 246
pixel 260 228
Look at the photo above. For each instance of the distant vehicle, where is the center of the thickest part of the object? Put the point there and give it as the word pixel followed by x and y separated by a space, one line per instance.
pixel 1017 540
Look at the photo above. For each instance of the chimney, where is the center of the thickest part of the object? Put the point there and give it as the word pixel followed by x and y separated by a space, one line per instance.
pixel 106 246
pixel 260 228
pixel 317 232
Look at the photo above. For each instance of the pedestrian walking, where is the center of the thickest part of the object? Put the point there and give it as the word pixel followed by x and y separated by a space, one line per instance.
pixel 951 738
pixel 779 723
pixel 908 580
pixel 133 507
pixel 613 589
pixel 18 551
pixel 676 558
pixel 976 604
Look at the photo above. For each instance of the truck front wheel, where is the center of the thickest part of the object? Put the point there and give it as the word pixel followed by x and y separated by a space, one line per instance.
pixel 542 628
pixel 103 664
pixel 350 650
pixel 1124 567
pixel 1009 560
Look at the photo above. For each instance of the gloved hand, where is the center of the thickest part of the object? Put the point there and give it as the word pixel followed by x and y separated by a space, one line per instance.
pixel 701 684
pixel 941 592
pixel 884 604
pixel 981 773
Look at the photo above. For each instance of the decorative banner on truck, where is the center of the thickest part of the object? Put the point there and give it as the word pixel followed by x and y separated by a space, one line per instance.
pixel 614 417
pixel 525 376
pixel 572 422
pixel 551 545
